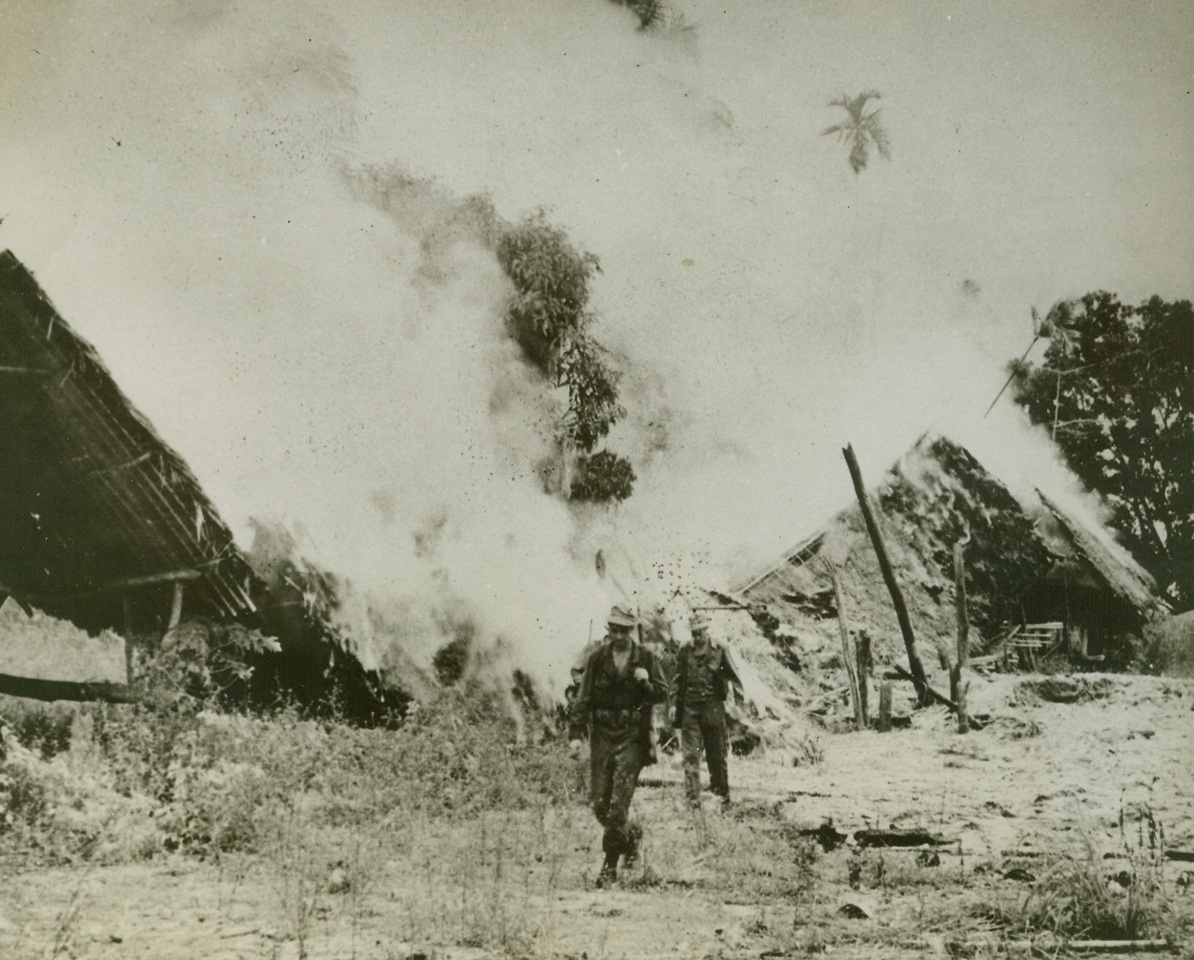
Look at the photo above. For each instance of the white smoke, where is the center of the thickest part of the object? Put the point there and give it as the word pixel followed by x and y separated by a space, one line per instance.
pixel 191 186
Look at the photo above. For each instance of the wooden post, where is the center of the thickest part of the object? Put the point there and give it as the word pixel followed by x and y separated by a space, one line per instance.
pixel 915 667
pixel 884 723
pixel 129 666
pixel 960 685
pixel 864 673
pixel 175 606
pixel 847 651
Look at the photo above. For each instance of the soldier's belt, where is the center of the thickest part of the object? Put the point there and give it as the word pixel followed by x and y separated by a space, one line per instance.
pixel 617 718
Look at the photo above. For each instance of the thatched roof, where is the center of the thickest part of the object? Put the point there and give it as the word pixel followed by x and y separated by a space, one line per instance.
pixel 100 519
pixel 937 495
pixel 1114 565
pixel 93 503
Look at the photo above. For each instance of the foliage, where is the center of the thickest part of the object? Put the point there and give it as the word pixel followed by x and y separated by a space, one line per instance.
pixel 658 17
pixel 604 476
pixel 552 280
pixel 205 660
pixel 1076 897
pixel 206 783
pixel 592 393
pixel 550 321
pixel 861 130
pixel 41 727
pixel 1115 388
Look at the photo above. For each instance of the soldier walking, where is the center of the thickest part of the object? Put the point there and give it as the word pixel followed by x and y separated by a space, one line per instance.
pixel 620 682
pixel 704 673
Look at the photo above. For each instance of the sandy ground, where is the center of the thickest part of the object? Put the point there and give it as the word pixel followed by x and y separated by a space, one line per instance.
pixel 1041 776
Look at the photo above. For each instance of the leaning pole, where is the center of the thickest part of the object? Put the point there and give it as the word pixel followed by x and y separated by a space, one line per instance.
pixel 915 667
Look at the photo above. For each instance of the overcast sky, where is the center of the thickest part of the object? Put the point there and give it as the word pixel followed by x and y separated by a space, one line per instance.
pixel 184 179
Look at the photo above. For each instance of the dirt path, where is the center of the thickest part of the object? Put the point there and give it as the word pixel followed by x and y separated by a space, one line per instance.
pixel 1043 776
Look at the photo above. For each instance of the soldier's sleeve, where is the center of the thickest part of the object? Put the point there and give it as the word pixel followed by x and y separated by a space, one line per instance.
pixel 656 681
pixel 582 704
pixel 730 669
pixel 576 673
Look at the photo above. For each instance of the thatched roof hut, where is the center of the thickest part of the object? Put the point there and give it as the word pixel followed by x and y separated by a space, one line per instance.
pixel 96 510
pixel 103 524
pixel 1024 564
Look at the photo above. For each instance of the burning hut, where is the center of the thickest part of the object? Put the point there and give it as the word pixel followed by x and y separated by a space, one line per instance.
pixel 104 525
pixel 1027 566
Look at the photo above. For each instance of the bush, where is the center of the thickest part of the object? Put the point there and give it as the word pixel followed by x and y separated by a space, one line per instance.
pixel 205 782
pixel 44 728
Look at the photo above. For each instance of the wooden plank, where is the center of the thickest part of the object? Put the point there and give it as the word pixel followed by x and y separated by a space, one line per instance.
pixel 36 689
pixel 171 576
pixel 848 658
pixel 901 838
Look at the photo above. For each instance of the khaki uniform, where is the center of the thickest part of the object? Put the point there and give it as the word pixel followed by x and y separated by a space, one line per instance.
pixel 702 682
pixel 610 705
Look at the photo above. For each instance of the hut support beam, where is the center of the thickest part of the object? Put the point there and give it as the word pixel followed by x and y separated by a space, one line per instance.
pixel 915 667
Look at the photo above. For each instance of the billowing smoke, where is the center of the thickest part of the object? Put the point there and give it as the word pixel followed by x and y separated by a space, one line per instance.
pixel 258 214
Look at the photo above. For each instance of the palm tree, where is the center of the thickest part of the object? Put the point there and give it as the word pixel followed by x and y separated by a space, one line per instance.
pixel 860 129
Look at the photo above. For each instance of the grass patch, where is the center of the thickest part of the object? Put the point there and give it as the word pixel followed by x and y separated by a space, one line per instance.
pixel 1084 896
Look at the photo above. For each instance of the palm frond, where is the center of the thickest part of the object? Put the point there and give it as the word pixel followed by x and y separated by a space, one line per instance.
pixel 879 138
pixel 861 129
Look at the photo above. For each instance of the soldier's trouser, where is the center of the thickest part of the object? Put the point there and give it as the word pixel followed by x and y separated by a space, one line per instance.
pixel 615 757
pixel 704 727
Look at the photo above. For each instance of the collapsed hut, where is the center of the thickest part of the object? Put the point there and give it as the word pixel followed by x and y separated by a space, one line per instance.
pixel 104 525
pixel 1038 578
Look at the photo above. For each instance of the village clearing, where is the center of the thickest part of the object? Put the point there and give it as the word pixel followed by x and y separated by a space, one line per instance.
pixel 1095 786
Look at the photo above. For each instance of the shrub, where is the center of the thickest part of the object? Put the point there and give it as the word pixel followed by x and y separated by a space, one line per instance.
pixel 42 727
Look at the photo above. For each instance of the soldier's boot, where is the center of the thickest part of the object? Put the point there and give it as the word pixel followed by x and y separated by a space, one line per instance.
pixel 634 838
pixel 609 871
pixel 612 844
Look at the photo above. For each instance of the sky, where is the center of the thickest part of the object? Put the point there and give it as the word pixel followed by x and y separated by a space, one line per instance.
pixel 242 205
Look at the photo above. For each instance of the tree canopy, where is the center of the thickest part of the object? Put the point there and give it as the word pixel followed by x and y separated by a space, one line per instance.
pixel 549 318
pixel 860 129
pixel 1115 389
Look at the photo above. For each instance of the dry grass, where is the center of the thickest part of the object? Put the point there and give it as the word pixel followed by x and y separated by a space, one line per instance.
pixel 1082 897
pixel 456 832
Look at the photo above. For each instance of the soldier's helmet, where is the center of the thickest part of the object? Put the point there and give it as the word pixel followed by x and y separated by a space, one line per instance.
pixel 621 615
pixel 698 621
